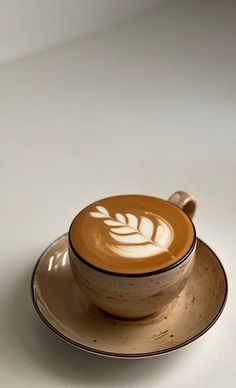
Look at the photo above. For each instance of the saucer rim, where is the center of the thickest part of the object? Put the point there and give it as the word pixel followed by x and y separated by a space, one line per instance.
pixel 125 355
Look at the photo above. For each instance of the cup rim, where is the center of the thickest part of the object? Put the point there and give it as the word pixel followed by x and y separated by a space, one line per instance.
pixel 142 274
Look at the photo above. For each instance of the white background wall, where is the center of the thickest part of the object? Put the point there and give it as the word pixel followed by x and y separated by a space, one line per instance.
pixel 30 25
pixel 144 107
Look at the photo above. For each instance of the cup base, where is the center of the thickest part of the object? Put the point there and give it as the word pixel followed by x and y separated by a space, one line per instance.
pixel 127 318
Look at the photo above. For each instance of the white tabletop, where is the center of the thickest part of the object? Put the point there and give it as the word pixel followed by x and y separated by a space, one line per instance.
pixel 146 107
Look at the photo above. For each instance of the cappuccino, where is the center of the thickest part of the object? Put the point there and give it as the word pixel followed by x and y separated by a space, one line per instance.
pixel 131 234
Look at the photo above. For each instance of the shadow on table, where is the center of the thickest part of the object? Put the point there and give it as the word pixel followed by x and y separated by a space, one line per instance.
pixel 48 352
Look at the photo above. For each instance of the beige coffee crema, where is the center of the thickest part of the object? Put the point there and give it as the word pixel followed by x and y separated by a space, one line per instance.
pixel 131 234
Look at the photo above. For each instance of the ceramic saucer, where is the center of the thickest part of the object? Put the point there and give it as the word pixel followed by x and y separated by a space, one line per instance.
pixel 64 308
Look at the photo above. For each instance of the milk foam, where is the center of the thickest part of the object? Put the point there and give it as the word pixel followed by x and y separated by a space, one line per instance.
pixel 132 236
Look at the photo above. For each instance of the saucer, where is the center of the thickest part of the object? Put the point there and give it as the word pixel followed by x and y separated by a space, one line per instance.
pixel 67 311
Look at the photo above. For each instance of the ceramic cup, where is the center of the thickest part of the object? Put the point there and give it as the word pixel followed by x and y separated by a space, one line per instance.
pixel 133 296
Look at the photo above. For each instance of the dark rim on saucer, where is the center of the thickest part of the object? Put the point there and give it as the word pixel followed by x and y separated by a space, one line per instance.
pixel 127 355
pixel 143 274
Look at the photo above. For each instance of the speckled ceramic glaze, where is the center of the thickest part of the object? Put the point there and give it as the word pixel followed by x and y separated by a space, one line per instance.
pixel 131 296
pixel 136 295
pixel 69 313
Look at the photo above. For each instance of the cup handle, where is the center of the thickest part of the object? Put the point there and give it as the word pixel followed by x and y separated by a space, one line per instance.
pixel 184 201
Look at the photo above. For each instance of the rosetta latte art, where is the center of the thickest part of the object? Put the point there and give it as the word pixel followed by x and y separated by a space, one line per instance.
pixel 134 236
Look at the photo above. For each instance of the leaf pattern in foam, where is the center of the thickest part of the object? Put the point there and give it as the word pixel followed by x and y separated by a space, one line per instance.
pixel 98 215
pixel 132 220
pixel 103 210
pixel 136 236
pixel 133 238
pixel 146 227
pixel 163 235
pixel 120 218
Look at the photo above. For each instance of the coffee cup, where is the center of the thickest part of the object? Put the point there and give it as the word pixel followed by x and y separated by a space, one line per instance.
pixel 133 254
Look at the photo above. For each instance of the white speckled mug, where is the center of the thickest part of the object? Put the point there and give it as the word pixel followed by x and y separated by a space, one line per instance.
pixel 134 294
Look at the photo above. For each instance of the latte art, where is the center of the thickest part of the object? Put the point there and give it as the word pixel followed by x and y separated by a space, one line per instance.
pixel 135 237
pixel 131 234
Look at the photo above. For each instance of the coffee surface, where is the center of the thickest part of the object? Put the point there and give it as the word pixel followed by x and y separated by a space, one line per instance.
pixel 131 234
